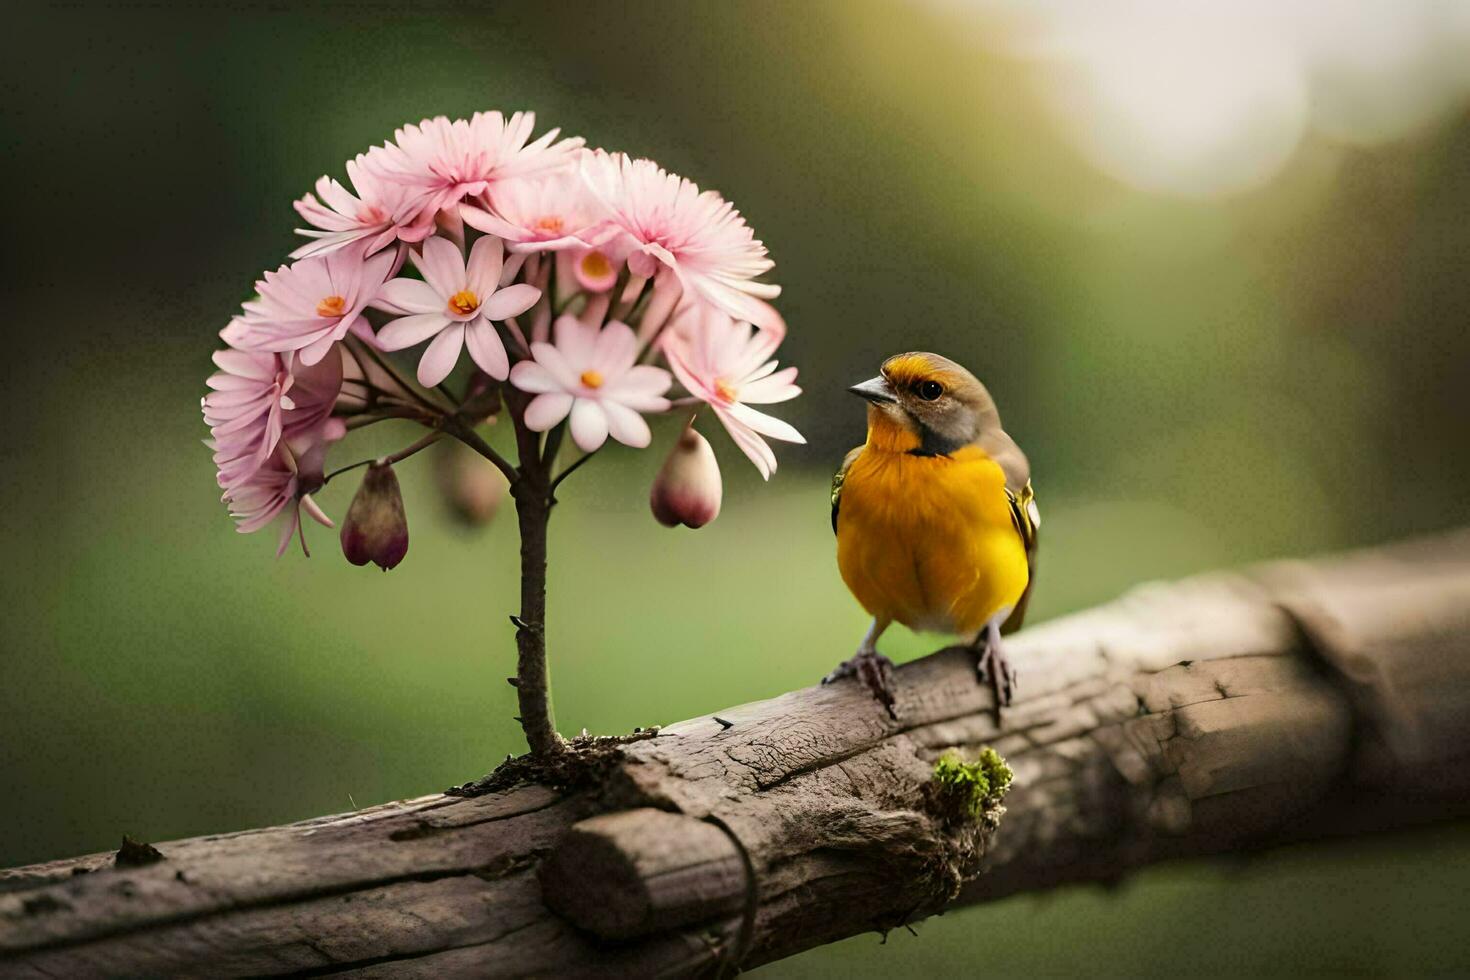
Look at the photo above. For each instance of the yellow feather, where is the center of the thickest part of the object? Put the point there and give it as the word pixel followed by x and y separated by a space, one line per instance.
pixel 928 541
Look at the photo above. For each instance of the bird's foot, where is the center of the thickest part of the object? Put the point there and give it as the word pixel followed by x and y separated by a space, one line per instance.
pixel 876 673
pixel 993 667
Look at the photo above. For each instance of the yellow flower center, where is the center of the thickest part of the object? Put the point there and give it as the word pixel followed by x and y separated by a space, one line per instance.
pixel 727 391
pixel 551 224
pixel 596 266
pixel 331 306
pixel 463 303
pixel 591 379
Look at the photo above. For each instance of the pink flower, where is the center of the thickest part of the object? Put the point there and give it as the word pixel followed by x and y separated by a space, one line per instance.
pixel 700 236
pixel 440 163
pixel 455 304
pixel 726 365
pixel 590 374
pixel 339 218
pixel 546 213
pixel 285 485
pixel 310 305
pixel 258 398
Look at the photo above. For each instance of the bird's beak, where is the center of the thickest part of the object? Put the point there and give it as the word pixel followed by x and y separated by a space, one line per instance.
pixel 876 390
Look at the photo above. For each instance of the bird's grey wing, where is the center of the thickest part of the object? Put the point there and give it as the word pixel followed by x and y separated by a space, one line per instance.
pixel 1026 517
pixel 837 479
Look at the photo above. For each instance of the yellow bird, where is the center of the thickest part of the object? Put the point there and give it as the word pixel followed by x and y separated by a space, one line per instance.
pixel 935 518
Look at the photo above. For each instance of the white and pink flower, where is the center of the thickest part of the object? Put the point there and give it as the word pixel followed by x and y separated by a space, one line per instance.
pixel 639 261
pixel 455 304
pixel 341 217
pixel 258 398
pixel 441 162
pixel 728 366
pixel 284 485
pixel 310 305
pixel 544 213
pixel 699 235
pixel 591 376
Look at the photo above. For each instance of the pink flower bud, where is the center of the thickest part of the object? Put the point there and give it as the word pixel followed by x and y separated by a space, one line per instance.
pixel 376 528
pixel 470 486
pixel 687 489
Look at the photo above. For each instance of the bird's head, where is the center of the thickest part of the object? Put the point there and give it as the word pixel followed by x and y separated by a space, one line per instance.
pixel 925 402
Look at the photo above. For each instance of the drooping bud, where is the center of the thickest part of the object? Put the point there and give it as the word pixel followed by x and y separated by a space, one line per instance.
pixel 471 487
pixel 376 527
pixel 687 489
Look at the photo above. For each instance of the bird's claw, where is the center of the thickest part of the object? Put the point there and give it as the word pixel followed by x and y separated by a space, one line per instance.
pixel 996 670
pixel 875 671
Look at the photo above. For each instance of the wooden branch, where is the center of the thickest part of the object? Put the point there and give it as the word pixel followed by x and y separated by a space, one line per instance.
pixel 1229 711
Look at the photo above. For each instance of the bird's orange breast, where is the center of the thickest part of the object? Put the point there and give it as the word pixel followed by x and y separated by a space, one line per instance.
pixel 927 541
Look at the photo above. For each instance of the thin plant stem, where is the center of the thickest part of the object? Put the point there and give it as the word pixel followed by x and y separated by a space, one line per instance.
pixel 397 457
pixel 465 433
pixel 408 387
pixel 553 445
pixel 569 471
pixel 413 414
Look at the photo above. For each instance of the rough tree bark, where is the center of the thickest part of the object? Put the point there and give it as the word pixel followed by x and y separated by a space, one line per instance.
pixel 1292 701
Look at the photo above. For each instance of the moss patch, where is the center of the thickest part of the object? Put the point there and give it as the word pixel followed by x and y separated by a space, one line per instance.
pixel 968 792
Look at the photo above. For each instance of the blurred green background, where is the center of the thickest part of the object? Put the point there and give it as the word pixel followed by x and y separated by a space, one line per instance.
pixel 1219 292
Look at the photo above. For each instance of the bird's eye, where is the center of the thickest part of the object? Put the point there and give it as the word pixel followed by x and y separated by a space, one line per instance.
pixel 930 390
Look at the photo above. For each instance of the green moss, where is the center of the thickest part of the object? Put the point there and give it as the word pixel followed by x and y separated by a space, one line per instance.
pixel 969 789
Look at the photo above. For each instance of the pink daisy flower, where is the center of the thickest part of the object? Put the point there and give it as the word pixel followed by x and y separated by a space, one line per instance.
pixel 700 236
pixel 590 375
pixel 284 485
pixel 341 218
pixel 440 163
pixel 258 398
pixel 455 304
pixel 727 366
pixel 310 305
pixel 545 213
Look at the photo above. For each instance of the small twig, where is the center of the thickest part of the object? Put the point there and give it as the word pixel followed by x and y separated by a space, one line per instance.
pixel 413 414
pixel 408 387
pixel 553 445
pixel 399 456
pixel 461 430
pixel 551 491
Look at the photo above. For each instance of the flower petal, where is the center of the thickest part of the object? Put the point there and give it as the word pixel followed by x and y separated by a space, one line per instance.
pixel 766 425
pixel 616 350
pixel 486 349
pixel 576 342
pixel 555 362
pixel 547 410
pixel 589 424
pixel 510 301
pixel 482 274
pixel 442 266
pixel 626 425
pixel 441 355
pixel 409 330
pixel 752 445
pixel 767 391
pixel 534 378
pixel 482 220
pixel 410 296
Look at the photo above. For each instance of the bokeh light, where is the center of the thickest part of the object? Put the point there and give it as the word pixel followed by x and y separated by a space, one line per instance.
pixel 1201 99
